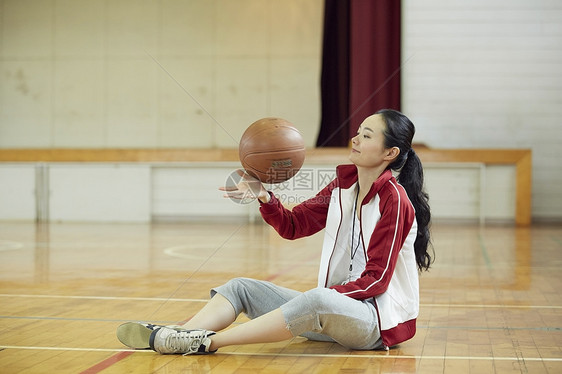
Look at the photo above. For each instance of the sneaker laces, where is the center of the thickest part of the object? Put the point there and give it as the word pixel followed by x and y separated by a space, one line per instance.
pixel 186 342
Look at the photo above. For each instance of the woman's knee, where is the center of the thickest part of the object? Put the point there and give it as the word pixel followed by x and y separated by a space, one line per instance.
pixel 236 287
pixel 236 291
pixel 318 298
pixel 237 282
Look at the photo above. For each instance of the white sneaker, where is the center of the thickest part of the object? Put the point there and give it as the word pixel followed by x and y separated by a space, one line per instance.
pixel 137 335
pixel 167 340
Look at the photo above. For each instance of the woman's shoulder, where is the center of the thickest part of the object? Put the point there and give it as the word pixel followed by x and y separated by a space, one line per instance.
pixel 392 191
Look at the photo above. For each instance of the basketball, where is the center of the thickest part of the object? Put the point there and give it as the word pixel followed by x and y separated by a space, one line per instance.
pixel 272 150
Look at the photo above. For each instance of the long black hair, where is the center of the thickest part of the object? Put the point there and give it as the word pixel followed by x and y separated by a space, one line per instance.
pixel 399 132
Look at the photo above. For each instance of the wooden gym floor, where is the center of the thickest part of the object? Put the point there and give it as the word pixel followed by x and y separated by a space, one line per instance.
pixel 490 304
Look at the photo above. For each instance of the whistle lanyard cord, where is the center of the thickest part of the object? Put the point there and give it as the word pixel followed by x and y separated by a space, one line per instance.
pixel 353 251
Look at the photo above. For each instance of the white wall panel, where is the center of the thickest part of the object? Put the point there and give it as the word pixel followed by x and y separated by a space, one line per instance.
pixel 26 29
pixel 499 197
pixel 78 29
pixel 131 26
pixel 182 192
pixel 188 28
pixel 25 96
pixel 239 77
pixel 72 127
pixel 94 74
pixel 185 122
pixel 487 74
pixel 17 192
pixel 105 193
pixel 242 28
pixel 141 192
pixel 295 80
pixel 131 116
pixel 454 192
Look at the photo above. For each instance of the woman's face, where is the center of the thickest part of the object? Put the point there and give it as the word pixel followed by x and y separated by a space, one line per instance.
pixel 368 148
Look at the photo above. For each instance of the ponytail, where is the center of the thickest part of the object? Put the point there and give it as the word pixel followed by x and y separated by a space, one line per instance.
pixel 411 178
pixel 399 132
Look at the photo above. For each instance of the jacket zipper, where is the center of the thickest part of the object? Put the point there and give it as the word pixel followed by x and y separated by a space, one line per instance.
pixel 335 241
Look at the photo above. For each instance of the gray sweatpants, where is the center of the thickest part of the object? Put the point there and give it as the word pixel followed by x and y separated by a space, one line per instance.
pixel 320 314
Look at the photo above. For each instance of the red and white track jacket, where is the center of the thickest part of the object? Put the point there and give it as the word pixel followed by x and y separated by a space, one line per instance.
pixel 388 225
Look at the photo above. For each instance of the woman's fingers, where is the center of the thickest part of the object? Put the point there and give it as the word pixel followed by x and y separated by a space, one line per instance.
pixel 243 186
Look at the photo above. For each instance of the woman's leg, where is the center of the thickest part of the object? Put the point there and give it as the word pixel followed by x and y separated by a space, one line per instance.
pixel 215 316
pixel 268 328
pixel 260 300
pixel 254 297
pixel 318 314
pixel 243 295
pixel 325 314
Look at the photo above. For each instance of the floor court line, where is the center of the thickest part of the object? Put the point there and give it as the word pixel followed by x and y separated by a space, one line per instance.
pixel 315 355
pixel 120 298
pixel 102 365
pixel 472 328
pixel 83 319
pixel 496 306
pixel 124 298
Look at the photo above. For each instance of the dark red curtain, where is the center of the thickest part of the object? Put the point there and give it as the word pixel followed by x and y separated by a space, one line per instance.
pixel 360 65
pixel 334 83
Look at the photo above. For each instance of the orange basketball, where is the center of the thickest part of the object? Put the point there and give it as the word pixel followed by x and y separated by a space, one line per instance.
pixel 272 150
